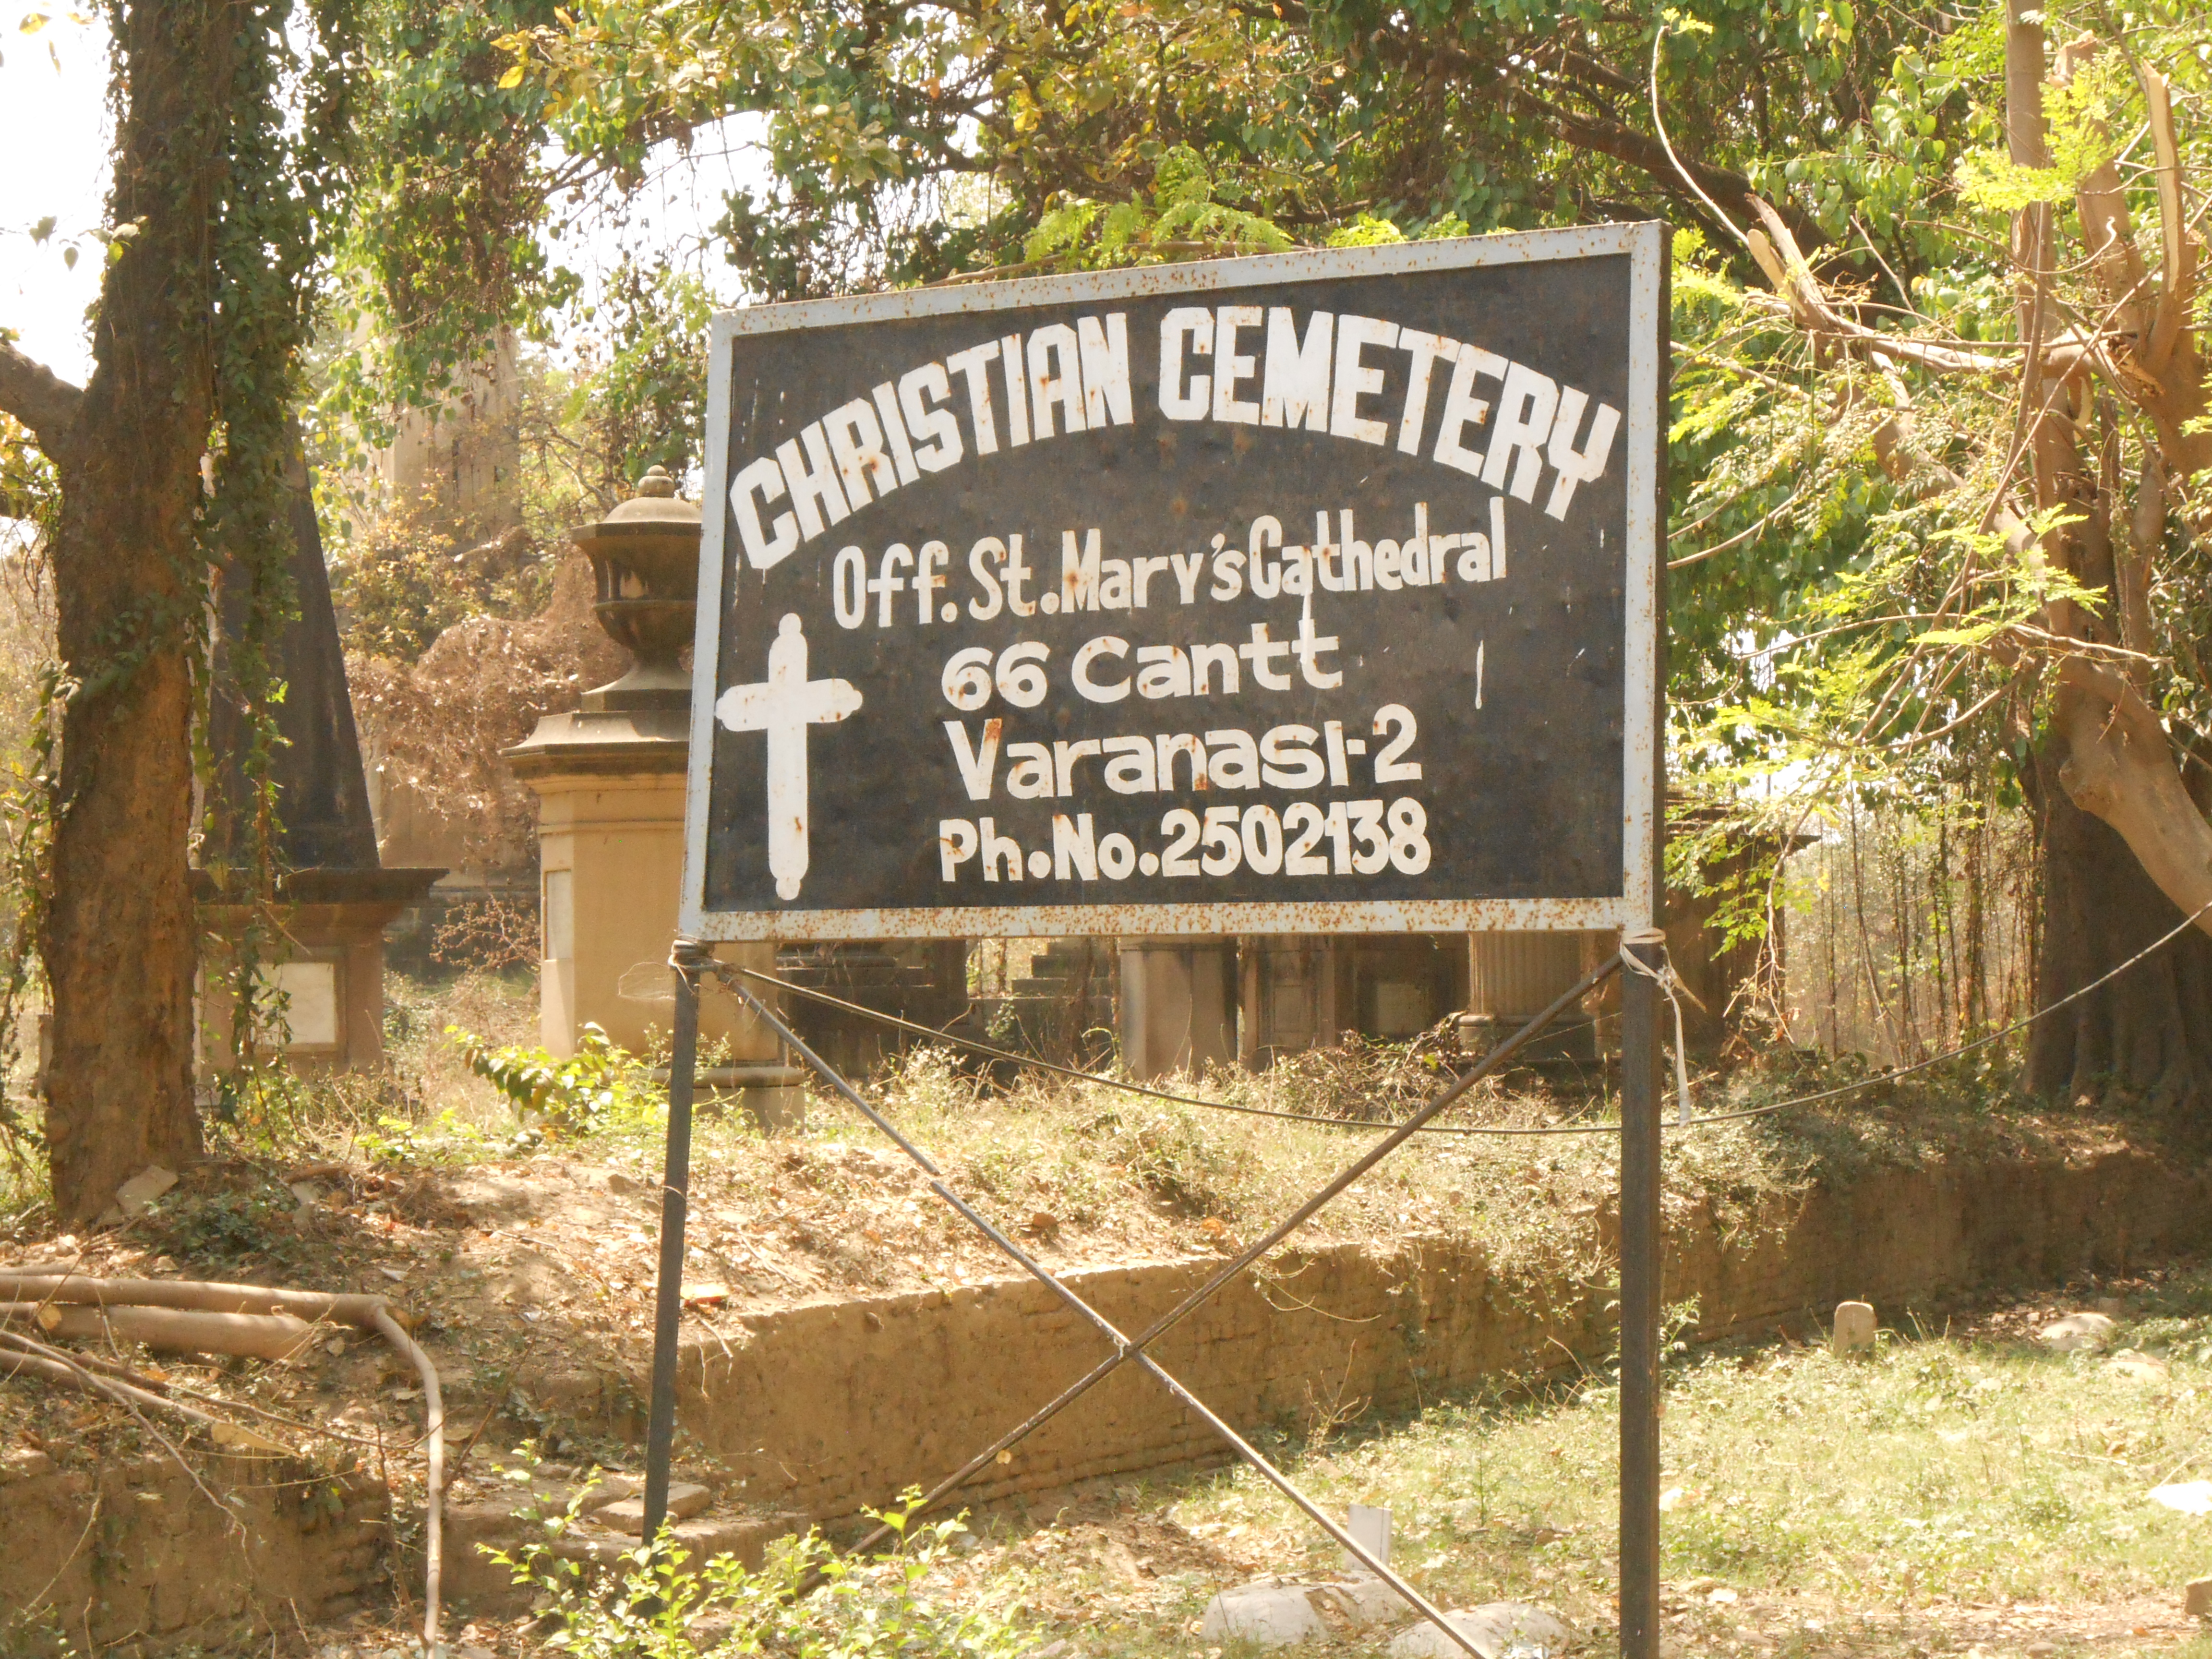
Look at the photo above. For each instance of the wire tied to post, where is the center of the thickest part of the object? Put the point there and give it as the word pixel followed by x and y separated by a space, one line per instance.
pixel 1669 982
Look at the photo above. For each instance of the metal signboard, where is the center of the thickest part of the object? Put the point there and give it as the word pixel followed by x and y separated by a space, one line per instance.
pixel 1308 593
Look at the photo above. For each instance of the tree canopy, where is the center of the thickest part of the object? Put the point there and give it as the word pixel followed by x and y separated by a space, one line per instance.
pixel 1897 485
pixel 1939 445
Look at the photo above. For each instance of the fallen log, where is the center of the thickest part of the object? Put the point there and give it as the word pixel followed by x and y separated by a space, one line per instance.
pixel 255 1336
pixel 64 1285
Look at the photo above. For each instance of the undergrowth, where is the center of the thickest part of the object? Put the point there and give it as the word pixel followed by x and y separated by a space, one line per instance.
pixel 1069 1157
pixel 659 1606
pixel 1813 1505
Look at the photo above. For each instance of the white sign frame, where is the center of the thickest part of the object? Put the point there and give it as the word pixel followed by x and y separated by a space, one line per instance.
pixel 1646 247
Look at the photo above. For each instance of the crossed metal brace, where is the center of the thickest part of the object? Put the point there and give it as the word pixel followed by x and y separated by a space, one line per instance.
pixel 1128 1350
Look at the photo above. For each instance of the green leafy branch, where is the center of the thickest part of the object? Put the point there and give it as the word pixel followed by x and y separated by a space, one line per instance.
pixel 807 1601
pixel 602 1089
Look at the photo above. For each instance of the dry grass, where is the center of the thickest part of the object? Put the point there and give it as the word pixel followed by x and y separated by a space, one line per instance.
pixel 1092 1174
pixel 1960 1469
pixel 1967 1491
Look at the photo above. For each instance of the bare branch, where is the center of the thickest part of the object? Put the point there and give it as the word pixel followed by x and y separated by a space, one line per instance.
pixel 1783 261
pixel 2131 575
pixel 2102 204
pixel 2179 256
pixel 36 397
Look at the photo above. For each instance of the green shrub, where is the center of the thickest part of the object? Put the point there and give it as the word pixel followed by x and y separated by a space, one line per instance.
pixel 603 1089
pixel 396 1143
pixel 806 1602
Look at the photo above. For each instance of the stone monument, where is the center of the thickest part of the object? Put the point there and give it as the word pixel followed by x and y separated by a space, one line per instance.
pixel 609 780
pixel 332 898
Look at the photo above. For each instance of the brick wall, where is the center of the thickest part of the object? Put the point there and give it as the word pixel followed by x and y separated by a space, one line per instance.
pixel 135 1554
pixel 826 1409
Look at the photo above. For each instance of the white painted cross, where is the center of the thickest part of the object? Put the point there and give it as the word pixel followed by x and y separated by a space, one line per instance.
pixel 784 706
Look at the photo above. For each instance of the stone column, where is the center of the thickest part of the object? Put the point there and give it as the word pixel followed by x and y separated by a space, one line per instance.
pixel 1178 1009
pixel 1512 976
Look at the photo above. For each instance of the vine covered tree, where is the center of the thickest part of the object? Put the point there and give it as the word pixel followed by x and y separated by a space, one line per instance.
pixel 167 470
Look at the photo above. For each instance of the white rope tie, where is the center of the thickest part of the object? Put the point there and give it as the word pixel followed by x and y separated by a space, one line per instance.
pixel 1668 980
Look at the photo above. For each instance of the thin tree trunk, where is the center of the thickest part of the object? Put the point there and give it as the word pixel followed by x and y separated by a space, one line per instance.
pixel 1828 947
pixel 1907 934
pixel 1977 967
pixel 1877 1005
pixel 1943 937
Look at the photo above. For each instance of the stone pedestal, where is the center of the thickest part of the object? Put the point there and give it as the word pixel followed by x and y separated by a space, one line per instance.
pixel 610 787
pixel 609 779
pixel 1178 1009
pixel 323 1001
pixel 1514 976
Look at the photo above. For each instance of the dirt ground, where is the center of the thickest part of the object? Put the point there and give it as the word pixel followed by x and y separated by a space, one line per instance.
pixel 511 1265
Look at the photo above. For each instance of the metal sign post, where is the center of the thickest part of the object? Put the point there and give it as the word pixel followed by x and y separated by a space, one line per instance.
pixel 1640 1293
pixel 687 959
pixel 1313 593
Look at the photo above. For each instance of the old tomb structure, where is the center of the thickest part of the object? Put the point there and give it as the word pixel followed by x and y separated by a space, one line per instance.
pixel 332 897
pixel 609 777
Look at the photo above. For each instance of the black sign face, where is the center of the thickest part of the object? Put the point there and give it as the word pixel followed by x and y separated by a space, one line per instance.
pixel 1308 593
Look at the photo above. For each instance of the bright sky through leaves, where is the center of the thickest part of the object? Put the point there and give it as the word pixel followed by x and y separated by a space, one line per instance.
pixel 54 130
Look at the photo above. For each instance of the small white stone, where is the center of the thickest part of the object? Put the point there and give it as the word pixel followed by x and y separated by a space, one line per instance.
pixel 1854 1330
pixel 149 1183
pixel 2078 1332
pixel 1369 1528
pixel 1494 1628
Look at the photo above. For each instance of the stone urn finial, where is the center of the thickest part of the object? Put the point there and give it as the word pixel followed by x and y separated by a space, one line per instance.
pixel 645 557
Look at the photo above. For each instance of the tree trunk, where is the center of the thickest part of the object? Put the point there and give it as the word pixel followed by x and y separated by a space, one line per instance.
pixel 2148 1035
pixel 120 937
